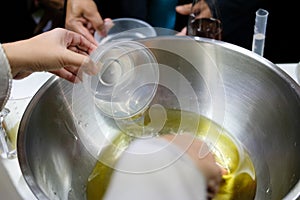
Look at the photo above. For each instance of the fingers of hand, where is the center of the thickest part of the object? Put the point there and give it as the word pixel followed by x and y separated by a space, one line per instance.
pixel 65 74
pixel 95 19
pixel 78 43
pixel 84 28
pixel 211 170
pixel 214 179
pixel 182 32
pixel 90 68
pixel 184 9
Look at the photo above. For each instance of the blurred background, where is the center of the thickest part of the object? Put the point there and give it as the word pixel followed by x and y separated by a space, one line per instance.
pixel 25 18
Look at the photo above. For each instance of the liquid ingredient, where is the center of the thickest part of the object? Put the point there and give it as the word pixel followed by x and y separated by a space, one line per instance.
pixel 238 184
pixel 12 133
pixel 258 44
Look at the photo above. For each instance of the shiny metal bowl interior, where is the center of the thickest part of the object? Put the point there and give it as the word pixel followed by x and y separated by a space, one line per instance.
pixel 261 109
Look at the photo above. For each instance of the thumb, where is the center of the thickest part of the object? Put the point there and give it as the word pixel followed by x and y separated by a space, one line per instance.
pixel 98 23
pixel 184 9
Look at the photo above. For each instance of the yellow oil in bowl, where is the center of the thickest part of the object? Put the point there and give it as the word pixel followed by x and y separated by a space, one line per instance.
pixel 238 184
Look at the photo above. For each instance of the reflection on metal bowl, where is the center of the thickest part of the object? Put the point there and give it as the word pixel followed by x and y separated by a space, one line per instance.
pixel 250 97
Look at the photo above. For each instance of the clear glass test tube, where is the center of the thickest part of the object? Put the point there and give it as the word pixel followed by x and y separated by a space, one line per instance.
pixel 260 31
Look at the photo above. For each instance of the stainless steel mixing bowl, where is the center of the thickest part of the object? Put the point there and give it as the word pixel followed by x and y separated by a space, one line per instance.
pixel 249 96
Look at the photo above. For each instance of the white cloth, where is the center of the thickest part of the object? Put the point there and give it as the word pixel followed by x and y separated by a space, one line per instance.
pixel 152 169
pixel 5 78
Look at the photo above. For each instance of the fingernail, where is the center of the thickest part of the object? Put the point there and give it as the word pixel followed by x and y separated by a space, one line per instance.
pixel 224 170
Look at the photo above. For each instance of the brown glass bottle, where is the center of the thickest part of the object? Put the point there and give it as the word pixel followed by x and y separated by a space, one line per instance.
pixel 204 20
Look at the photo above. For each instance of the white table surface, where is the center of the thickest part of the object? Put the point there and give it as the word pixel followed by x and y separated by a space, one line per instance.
pixel 12 183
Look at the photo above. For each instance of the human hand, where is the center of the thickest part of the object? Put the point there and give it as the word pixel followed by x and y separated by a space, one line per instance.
pixel 59 51
pixel 184 9
pixel 182 32
pixel 83 17
pixel 200 9
pixel 203 158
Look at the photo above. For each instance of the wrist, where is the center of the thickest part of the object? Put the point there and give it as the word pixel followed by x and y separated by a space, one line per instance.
pixel 18 56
